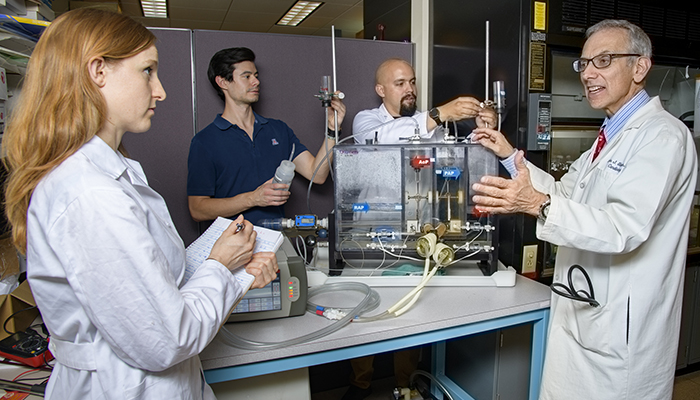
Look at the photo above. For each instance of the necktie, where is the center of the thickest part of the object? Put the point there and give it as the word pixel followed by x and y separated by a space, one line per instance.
pixel 600 143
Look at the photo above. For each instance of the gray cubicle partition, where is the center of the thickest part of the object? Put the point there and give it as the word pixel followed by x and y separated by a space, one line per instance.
pixel 162 151
pixel 291 68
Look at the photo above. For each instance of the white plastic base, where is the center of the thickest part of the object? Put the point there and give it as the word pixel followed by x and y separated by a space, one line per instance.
pixel 456 276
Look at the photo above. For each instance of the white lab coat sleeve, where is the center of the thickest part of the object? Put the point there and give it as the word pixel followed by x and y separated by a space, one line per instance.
pixel 620 211
pixel 121 278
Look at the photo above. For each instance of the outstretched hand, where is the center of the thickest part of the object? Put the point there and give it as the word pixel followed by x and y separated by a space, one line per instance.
pixel 507 196
pixel 492 140
pixel 486 118
pixel 460 108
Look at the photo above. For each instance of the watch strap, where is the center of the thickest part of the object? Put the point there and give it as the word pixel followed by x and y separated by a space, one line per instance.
pixel 434 114
pixel 331 133
pixel 544 209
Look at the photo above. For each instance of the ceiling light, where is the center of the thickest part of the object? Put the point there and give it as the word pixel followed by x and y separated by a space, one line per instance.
pixel 299 12
pixel 154 8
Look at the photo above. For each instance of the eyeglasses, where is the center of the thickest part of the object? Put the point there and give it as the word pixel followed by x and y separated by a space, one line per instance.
pixel 600 61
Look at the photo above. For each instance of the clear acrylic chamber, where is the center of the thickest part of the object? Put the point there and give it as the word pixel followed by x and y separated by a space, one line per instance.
pixel 387 196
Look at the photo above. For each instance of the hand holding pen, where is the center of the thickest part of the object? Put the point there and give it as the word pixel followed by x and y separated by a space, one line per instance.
pixel 234 247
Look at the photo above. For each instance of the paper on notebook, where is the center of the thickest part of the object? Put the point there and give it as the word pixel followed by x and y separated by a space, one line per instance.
pixel 198 251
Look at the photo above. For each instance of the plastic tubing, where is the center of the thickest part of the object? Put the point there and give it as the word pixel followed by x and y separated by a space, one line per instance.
pixel 365 304
pixel 420 286
pixel 432 379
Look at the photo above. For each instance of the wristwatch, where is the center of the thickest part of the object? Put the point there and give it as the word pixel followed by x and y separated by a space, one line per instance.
pixel 331 133
pixel 544 209
pixel 434 113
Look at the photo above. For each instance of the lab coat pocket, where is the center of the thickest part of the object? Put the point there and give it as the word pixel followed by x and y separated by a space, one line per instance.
pixel 592 327
pixel 594 187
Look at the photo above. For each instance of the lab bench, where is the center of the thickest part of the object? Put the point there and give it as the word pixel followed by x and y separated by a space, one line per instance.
pixel 441 315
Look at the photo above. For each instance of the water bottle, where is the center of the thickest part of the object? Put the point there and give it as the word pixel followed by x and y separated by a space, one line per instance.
pixel 284 173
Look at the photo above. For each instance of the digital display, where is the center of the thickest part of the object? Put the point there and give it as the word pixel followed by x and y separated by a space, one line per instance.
pixel 264 299
pixel 306 221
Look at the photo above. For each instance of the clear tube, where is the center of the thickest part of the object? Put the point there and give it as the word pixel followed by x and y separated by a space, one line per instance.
pixel 432 379
pixel 234 340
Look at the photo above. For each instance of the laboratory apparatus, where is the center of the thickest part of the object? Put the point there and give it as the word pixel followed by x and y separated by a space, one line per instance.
pixel 389 196
pixel 283 297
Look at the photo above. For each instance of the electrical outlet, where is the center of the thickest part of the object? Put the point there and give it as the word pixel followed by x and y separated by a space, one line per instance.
pixel 529 259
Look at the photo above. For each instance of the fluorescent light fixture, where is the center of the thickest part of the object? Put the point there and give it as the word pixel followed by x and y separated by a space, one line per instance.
pixel 154 8
pixel 299 11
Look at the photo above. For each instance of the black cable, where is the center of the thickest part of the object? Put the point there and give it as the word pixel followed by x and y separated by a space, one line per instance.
pixel 45 367
pixel 22 387
pixel 4 325
pixel 570 291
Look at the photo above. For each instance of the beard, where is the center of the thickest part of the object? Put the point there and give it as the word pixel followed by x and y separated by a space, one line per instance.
pixel 408 105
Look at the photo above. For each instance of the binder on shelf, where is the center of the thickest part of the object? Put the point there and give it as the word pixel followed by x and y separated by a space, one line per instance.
pixel 26 28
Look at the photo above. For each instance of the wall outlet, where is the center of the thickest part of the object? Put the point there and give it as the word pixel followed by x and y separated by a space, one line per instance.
pixel 529 259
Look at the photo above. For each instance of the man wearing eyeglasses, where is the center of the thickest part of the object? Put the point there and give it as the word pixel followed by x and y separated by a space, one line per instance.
pixel 621 213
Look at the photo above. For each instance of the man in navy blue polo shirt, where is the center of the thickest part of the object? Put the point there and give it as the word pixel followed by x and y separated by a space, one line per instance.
pixel 233 160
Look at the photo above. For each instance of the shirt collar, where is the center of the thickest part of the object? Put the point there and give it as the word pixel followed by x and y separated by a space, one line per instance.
pixel 111 162
pixel 224 124
pixel 613 125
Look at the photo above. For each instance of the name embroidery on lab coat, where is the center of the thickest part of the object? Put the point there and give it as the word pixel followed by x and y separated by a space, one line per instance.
pixel 615 165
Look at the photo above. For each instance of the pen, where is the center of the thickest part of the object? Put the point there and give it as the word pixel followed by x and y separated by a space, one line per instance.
pixel 239 227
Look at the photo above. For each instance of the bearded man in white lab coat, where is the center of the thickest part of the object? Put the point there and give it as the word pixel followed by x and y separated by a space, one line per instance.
pixel 622 213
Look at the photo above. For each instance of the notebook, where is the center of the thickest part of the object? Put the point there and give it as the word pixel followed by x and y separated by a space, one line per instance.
pixel 198 251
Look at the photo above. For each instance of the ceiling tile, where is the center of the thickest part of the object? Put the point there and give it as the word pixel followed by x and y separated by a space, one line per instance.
pixel 331 10
pixel 250 15
pixel 196 14
pixel 252 18
pixel 192 24
pixel 314 22
pixel 207 4
pixel 269 6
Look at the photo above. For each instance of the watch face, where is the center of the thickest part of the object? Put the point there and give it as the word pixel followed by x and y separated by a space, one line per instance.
pixel 435 115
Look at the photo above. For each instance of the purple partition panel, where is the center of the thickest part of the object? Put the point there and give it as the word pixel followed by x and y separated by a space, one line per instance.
pixel 291 68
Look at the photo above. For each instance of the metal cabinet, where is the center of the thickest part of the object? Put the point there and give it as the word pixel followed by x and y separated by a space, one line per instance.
pixel 494 365
pixel 689 345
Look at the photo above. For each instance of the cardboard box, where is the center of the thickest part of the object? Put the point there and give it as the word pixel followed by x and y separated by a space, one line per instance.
pixel 19 299
pixel 9 261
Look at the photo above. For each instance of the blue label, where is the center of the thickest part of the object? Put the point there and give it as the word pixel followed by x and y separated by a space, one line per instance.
pixel 449 172
pixel 360 207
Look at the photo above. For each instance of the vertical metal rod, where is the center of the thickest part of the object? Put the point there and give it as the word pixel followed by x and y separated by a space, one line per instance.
pixel 335 120
pixel 486 95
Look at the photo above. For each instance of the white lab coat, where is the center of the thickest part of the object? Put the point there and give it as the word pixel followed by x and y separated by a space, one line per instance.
pixel 624 218
pixel 378 123
pixel 105 265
